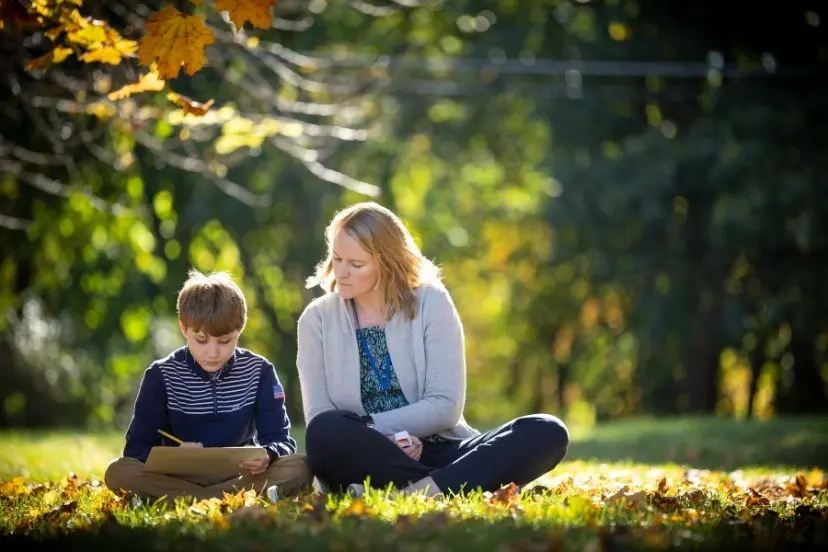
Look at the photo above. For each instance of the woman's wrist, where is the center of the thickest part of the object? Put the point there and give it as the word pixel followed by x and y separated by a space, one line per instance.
pixel 368 420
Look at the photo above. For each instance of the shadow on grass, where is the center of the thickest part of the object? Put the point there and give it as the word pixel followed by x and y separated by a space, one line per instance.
pixel 709 443
pixel 434 532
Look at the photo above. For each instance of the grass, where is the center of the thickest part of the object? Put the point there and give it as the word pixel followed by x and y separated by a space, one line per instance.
pixel 641 484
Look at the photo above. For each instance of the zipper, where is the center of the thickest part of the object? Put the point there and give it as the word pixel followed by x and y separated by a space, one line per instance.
pixel 213 384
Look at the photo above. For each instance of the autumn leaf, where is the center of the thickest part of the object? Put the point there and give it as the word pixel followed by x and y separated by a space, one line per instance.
pixel 755 498
pixel 357 508
pixel 114 49
pixel 174 39
pixel 190 106
pixel 255 11
pixel 147 83
pixel 13 14
pixel 57 55
pixel 505 495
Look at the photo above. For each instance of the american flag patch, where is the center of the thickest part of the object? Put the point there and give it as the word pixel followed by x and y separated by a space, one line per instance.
pixel 278 392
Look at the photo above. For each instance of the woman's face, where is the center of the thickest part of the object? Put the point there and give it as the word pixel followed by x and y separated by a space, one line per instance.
pixel 354 268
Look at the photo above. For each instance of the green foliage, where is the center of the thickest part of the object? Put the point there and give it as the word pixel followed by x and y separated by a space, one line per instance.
pixel 614 244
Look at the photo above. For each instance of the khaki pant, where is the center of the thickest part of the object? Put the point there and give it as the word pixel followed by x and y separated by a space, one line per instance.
pixel 289 473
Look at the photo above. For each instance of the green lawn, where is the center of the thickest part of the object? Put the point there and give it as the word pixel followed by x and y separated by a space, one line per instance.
pixel 639 484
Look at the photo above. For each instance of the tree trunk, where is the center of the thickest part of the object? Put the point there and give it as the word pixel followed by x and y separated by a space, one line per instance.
pixel 807 390
pixel 757 360
pixel 703 368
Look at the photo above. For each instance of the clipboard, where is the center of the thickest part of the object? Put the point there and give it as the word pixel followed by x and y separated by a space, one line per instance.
pixel 201 461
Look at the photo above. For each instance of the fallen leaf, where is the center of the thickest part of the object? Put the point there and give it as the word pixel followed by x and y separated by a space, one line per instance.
pixel 190 106
pixel 755 498
pixel 505 495
pixel 801 485
pixel 174 40
pixel 240 11
pixel 356 508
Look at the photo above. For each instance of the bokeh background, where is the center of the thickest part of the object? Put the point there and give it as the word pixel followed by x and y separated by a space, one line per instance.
pixel 626 199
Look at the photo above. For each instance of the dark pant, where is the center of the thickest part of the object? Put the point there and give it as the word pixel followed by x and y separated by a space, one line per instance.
pixel 342 450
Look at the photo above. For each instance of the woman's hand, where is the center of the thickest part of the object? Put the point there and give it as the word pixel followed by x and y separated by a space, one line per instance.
pixel 414 451
pixel 256 467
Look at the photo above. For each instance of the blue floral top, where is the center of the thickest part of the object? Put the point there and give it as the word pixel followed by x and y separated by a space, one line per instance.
pixel 374 399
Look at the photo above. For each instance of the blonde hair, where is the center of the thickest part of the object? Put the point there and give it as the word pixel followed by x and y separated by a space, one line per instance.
pixel 213 304
pixel 402 267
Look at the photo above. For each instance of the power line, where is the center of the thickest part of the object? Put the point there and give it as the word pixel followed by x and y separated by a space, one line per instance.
pixel 547 66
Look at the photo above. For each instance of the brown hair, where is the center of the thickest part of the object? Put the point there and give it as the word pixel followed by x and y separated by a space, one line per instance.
pixel 213 304
pixel 402 267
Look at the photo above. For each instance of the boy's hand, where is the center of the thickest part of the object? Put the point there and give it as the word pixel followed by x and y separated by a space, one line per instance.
pixel 191 444
pixel 256 467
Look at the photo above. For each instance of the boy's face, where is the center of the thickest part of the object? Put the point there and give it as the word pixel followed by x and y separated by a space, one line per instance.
pixel 211 352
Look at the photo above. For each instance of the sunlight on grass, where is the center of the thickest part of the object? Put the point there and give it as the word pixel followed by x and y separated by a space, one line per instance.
pixel 50 455
pixel 613 499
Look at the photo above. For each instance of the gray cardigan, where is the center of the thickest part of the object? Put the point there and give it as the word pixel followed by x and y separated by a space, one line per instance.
pixel 428 355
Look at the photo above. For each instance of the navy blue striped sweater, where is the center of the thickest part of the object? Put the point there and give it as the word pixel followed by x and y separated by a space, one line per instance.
pixel 242 404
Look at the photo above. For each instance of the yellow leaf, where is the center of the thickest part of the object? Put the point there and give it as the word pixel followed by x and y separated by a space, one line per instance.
pixel 53 33
pixel 174 39
pixel 357 508
pixel 147 83
pixel 101 109
pixel 112 54
pixel 60 54
pixel 90 34
pixel 190 106
pixel 255 11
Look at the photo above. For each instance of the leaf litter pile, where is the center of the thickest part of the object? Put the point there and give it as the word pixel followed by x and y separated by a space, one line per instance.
pixel 579 506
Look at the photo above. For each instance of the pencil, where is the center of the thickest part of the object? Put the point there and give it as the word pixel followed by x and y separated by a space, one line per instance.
pixel 168 436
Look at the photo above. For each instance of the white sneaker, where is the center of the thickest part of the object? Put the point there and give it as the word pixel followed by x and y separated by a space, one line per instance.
pixel 355 490
pixel 273 494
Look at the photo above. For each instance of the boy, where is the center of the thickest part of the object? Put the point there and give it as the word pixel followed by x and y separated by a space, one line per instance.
pixel 211 393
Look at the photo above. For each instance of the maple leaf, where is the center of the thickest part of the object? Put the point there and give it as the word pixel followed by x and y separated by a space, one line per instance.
pixel 174 39
pixel 147 83
pixel 57 55
pixel 190 106
pixel 111 53
pixel 255 11
pixel 12 13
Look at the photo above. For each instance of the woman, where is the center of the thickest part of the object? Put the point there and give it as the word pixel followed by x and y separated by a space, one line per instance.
pixel 383 352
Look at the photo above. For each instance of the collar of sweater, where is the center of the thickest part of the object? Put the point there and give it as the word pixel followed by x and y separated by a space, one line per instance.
pixel 204 374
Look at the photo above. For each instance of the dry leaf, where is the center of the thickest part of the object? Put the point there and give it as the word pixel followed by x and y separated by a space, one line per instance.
pixel 190 106
pixel 149 82
pixel 505 495
pixel 755 498
pixel 174 39
pixel 41 62
pixel 13 14
pixel 255 11
pixel 357 508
